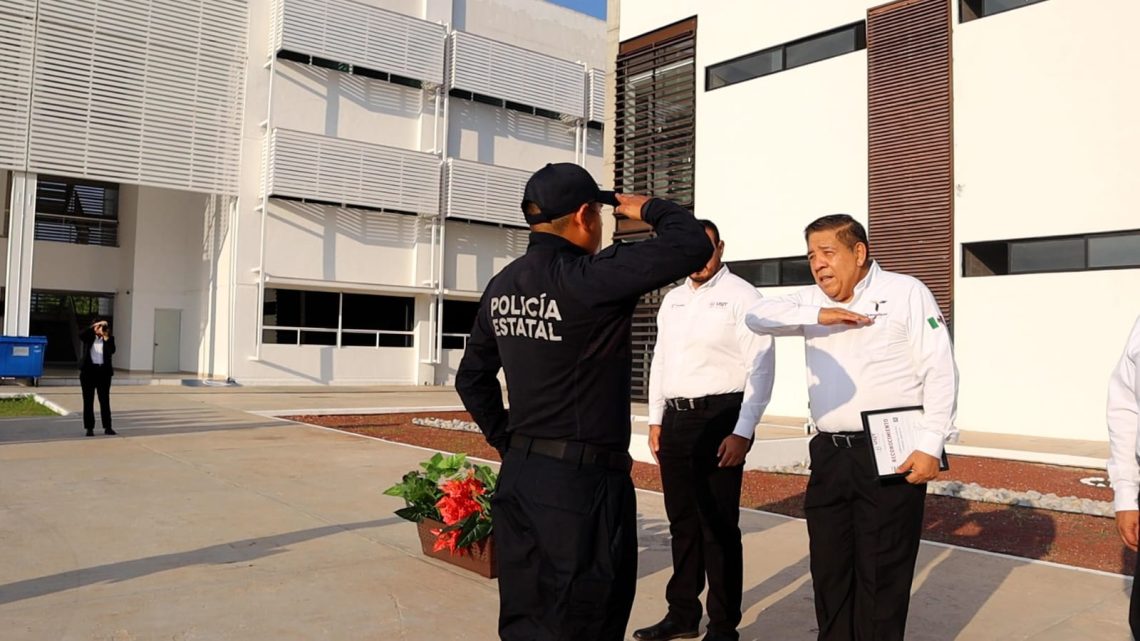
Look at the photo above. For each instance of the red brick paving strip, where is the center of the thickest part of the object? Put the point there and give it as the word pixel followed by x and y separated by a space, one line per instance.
pixel 1072 539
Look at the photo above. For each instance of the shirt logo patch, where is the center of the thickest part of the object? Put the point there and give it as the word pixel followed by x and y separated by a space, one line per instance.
pixel 933 322
pixel 877 313
pixel 719 304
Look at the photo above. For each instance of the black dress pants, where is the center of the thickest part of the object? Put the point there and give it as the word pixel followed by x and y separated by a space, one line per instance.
pixel 92 382
pixel 1134 606
pixel 566 548
pixel 864 537
pixel 702 502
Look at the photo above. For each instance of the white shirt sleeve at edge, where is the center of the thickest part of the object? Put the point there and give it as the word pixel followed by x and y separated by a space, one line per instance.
pixel 1123 416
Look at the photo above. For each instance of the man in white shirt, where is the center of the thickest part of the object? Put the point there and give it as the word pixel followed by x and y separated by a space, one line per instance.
pixel 709 383
pixel 875 340
pixel 1123 466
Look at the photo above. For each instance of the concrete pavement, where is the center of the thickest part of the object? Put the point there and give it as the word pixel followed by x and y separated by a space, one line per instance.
pixel 204 521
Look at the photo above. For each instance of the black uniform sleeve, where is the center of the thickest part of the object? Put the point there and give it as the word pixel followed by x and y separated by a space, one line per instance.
pixel 109 347
pixel 622 272
pixel 477 380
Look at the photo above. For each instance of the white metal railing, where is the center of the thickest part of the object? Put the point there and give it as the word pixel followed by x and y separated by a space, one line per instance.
pixel 487 193
pixel 338 336
pixel 497 69
pixel 460 344
pixel 348 172
pixel 361 35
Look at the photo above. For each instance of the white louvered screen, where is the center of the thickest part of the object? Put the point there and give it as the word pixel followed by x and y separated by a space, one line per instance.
pixel 492 68
pixel 485 192
pixel 347 172
pixel 17 24
pixel 364 36
pixel 597 95
pixel 140 92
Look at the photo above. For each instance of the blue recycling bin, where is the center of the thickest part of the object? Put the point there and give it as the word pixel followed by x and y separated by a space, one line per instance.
pixel 22 356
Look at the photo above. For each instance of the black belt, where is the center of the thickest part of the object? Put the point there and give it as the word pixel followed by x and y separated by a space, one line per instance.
pixel 845 440
pixel 689 404
pixel 572 452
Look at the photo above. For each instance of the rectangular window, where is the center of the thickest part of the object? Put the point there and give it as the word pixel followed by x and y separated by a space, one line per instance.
pixel 774 272
pixel 655 121
pixel 80 212
pixel 797 53
pixel 973 9
pixel 302 317
pixel 1114 250
pixel 458 319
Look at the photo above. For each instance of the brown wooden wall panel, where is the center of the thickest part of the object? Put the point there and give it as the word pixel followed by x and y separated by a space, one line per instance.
pixel 910 142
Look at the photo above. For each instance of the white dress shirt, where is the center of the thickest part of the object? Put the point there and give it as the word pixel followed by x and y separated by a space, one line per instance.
pixel 704 348
pixel 97 351
pixel 904 358
pixel 1123 425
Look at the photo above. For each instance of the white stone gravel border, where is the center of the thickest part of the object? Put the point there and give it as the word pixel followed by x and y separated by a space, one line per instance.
pixel 957 489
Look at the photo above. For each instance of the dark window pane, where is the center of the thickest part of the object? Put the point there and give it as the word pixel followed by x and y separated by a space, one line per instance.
pixel 795 271
pixel 985 259
pixel 279 336
pixel 395 340
pixel 79 212
pixel 748 67
pixel 1047 255
pixel 454 342
pixel 1114 251
pixel 761 273
pixel 352 339
pixel 997 6
pixel 459 316
pixel 296 308
pixel 821 47
pixel 392 313
pixel 309 337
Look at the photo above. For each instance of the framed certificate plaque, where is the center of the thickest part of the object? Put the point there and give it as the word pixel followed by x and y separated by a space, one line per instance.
pixel 892 436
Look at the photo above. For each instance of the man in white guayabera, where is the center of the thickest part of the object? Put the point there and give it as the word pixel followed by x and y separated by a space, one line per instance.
pixel 875 340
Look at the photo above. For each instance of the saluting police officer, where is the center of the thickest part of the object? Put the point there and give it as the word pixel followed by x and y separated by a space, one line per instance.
pixel 557 321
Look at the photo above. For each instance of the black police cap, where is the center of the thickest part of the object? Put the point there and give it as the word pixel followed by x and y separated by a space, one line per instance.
pixel 559 189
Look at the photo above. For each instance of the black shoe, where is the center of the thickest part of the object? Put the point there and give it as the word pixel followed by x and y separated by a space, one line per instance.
pixel 665 630
pixel 109 432
pixel 90 432
pixel 720 636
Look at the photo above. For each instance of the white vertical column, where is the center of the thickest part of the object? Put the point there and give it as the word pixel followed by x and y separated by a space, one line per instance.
pixel 21 234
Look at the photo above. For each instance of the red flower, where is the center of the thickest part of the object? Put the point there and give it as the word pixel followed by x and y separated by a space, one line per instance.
pixel 446 540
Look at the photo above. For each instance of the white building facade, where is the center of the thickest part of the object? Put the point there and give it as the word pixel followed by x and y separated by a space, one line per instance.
pixel 280 191
pixel 990 146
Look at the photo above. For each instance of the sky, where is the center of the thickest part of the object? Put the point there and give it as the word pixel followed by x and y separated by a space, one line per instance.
pixel 596 8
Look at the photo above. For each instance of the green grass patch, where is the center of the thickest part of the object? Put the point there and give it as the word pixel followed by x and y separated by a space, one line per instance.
pixel 23 406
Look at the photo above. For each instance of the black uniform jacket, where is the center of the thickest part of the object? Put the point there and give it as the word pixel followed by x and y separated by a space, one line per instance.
pixel 557 320
pixel 87 338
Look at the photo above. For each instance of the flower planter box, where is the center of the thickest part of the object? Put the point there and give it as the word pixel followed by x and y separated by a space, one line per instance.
pixel 480 558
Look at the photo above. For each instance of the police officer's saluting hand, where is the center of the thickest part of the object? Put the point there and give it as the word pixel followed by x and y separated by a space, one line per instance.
pixel 557 321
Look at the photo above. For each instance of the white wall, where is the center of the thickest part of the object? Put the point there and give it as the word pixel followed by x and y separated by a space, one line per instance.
pixel 475 253
pixel 319 242
pixel 1047 140
pixel 1041 375
pixel 638 17
pixel 306 364
pixel 168 273
pixel 340 105
pixel 1046 143
pixel 507 138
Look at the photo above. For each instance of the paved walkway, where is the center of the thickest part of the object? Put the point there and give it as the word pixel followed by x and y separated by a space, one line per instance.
pixel 205 522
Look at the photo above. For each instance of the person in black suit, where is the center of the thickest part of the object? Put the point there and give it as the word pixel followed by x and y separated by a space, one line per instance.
pixel 95 374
